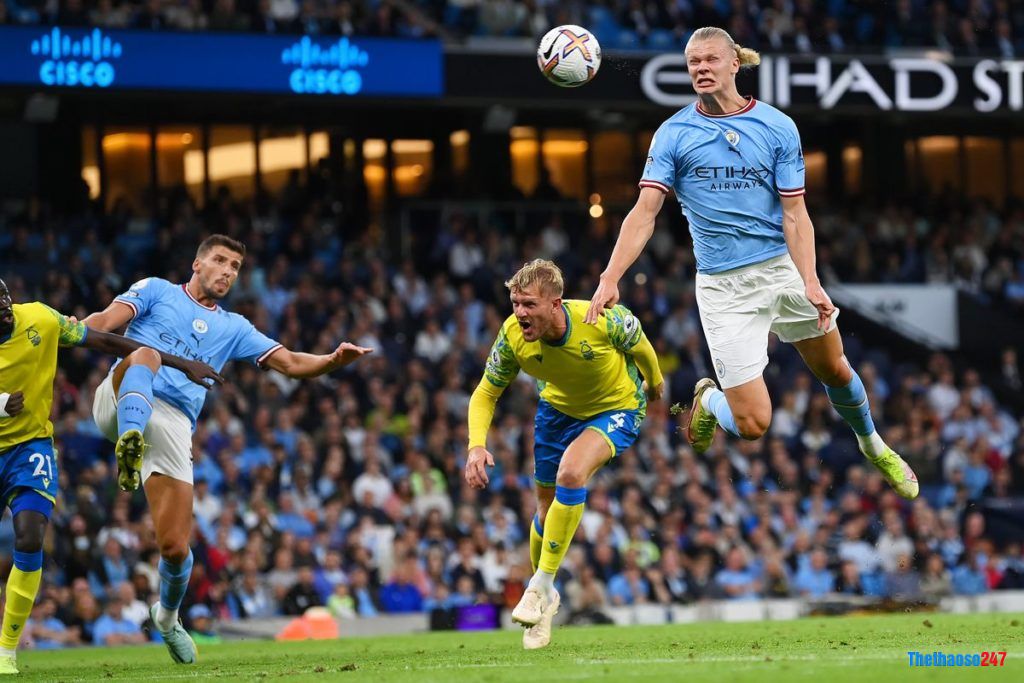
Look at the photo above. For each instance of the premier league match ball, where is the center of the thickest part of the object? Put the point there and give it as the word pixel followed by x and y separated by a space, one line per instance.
pixel 569 56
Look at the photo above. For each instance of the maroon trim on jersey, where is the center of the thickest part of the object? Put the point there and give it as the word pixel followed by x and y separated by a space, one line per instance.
pixel 267 354
pixel 742 110
pixel 129 304
pixel 796 192
pixel 209 308
pixel 656 185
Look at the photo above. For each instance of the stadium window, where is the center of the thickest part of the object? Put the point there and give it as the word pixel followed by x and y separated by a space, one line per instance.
pixel 90 164
pixel 939 163
pixel 853 157
pixel 126 164
pixel 614 176
pixel 375 170
pixel 179 161
pixel 565 158
pixel 232 160
pixel 1017 167
pixel 414 164
pixel 524 150
pixel 319 147
pixel 459 141
pixel 815 171
pixel 986 168
pixel 283 151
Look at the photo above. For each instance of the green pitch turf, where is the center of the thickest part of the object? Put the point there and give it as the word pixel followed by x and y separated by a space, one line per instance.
pixel 826 650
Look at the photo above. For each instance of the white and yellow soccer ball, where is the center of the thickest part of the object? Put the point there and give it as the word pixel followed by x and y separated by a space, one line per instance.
pixel 569 56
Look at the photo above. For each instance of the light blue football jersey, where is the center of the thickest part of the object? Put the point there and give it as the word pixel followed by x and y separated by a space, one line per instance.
pixel 729 173
pixel 169 319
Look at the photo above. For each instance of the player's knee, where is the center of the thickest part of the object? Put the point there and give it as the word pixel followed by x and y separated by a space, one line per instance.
pixel 571 476
pixel 836 373
pixel 29 530
pixel 29 538
pixel 174 550
pixel 145 356
pixel 754 425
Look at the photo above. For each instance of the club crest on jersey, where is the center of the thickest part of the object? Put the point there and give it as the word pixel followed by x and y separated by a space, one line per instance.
pixel 586 351
pixel 200 326
pixel 33 336
pixel 732 137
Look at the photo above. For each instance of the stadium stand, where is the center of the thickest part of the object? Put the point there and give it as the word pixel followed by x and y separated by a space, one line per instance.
pixel 348 492
pixel 798 26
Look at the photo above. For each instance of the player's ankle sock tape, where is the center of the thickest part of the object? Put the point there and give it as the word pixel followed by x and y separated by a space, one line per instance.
pixel 174 581
pixel 28 562
pixel 851 402
pixel 719 407
pixel 570 496
pixel 135 399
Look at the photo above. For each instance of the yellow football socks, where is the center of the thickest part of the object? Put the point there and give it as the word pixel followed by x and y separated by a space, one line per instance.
pixel 560 525
pixel 22 588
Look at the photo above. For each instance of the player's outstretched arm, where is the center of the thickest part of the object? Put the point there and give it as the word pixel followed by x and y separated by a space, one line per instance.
pixel 113 317
pixel 481 412
pixel 307 365
pixel 114 344
pixel 637 228
pixel 79 333
pixel 799 233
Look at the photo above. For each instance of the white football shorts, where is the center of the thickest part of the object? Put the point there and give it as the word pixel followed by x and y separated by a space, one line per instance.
pixel 168 434
pixel 738 308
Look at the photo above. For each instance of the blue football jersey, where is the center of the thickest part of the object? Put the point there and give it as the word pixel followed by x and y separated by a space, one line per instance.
pixel 169 319
pixel 729 173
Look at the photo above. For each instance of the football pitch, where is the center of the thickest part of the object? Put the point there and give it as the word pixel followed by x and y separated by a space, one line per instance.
pixel 829 650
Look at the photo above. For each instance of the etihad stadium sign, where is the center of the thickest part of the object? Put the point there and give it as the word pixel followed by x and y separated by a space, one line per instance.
pixel 913 84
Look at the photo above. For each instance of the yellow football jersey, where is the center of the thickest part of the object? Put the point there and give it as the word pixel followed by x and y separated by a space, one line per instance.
pixel 28 363
pixel 589 371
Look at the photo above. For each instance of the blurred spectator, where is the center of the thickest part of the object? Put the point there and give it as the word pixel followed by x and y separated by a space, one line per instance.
pixel 202 631
pixel 112 628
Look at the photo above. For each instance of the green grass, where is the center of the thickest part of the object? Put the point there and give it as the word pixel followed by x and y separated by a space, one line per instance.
pixel 826 650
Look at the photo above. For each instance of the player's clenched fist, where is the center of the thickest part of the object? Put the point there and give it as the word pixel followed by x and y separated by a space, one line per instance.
pixel 476 467
pixel 14 404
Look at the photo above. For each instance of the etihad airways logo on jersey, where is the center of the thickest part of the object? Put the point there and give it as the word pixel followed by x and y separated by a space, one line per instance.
pixel 733 177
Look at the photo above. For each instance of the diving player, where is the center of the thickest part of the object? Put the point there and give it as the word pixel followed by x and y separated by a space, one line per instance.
pixel 593 398
pixel 151 412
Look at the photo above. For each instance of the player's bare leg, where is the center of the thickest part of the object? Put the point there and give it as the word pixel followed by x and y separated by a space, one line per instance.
pixel 825 358
pixel 584 456
pixel 133 384
pixel 170 504
pixel 744 411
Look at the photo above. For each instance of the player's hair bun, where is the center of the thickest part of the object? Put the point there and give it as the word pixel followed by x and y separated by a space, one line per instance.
pixel 747 56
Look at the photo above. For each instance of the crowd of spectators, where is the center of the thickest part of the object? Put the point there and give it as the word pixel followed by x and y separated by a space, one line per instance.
pixel 347 491
pixel 961 26
pixel 972 245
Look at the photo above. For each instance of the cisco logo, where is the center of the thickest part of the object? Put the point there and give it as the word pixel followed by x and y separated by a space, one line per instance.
pixel 322 71
pixel 82 63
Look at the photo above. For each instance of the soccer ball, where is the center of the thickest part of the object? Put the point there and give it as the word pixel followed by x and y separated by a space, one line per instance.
pixel 569 56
